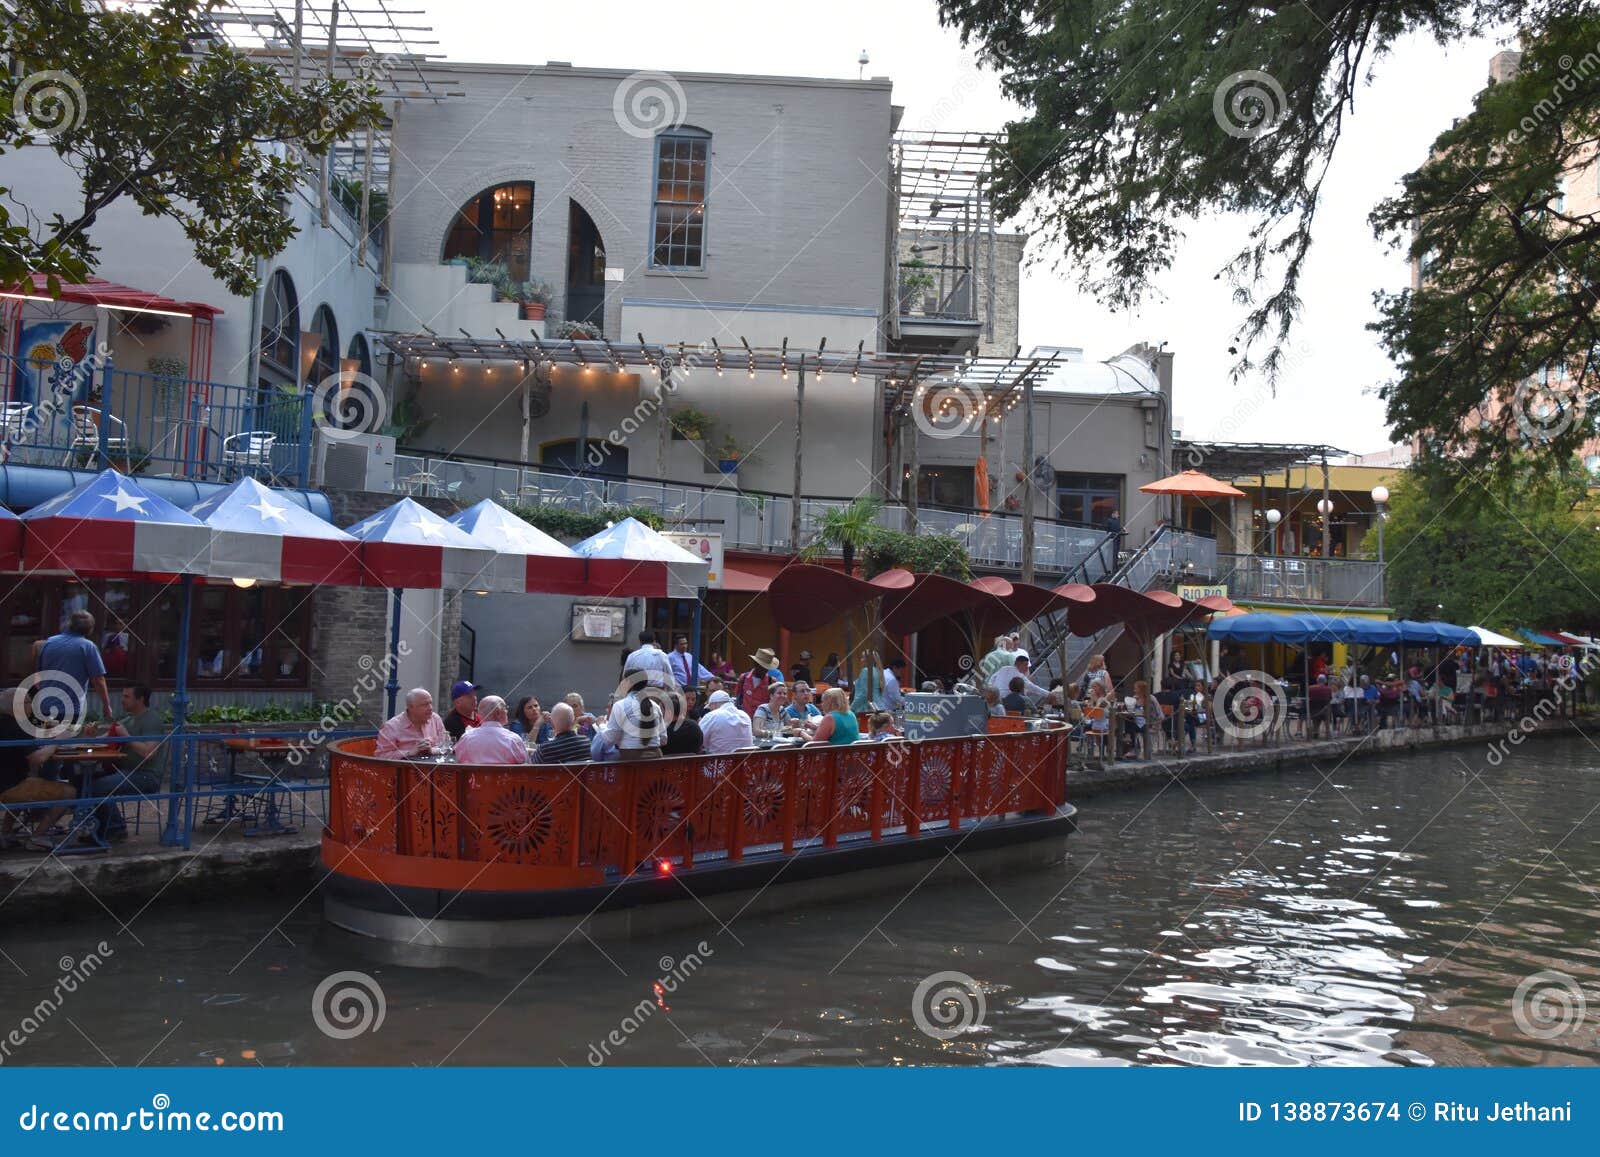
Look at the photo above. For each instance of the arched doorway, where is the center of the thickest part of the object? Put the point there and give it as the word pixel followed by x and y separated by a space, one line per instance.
pixel 326 332
pixel 586 268
pixel 280 333
pixel 495 225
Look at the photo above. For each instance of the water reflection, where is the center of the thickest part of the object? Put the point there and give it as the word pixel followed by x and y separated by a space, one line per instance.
pixel 1267 920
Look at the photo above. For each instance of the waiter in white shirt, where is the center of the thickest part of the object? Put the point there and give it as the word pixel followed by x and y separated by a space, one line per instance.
pixel 893 698
pixel 1001 680
pixel 653 661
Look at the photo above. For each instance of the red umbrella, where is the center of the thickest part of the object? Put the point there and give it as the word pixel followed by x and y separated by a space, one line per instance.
pixel 10 541
pixel 805 597
pixel 261 535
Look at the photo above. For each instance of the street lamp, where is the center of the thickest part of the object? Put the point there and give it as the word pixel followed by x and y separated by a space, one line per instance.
pixel 1380 495
pixel 1273 518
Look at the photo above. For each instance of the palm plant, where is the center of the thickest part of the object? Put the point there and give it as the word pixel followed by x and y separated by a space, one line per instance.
pixel 848 527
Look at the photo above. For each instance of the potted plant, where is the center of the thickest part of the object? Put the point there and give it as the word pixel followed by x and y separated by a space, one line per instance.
pixel 576 331
pixel 689 424
pixel 482 271
pixel 728 455
pixel 915 279
pixel 167 375
pixel 533 296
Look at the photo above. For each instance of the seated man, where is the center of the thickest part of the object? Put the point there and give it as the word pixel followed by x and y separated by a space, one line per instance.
pixel 20 779
pixel 416 731
pixel 463 708
pixel 724 727
pixel 491 741
pixel 1014 700
pixel 566 744
pixel 143 765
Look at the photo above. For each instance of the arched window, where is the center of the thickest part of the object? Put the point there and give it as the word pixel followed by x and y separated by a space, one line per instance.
pixel 496 225
pixel 678 217
pixel 326 363
pixel 280 330
pixel 361 354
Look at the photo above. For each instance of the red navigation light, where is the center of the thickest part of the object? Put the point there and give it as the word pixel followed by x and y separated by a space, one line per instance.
pixel 664 867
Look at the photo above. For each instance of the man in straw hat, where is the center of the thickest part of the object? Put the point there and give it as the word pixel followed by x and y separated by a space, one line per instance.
pixel 752 689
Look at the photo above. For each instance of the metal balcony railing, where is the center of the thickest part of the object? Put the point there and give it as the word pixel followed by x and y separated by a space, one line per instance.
pixel 747 520
pixel 88 413
pixel 1329 581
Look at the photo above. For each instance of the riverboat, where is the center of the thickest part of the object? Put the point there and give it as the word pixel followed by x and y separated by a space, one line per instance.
pixel 439 855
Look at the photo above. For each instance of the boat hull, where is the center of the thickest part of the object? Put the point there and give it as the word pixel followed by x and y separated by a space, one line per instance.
pixel 705 896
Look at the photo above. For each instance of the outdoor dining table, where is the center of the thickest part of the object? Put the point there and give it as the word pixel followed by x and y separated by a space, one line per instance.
pixel 87 761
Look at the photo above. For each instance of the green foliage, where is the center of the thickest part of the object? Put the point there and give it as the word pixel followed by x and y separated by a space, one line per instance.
pixel 1498 350
pixel 1523 554
pixel 407 421
pixel 847 527
pixel 261 712
pixel 347 191
pixel 1145 116
pixel 690 422
pixel 919 553
pixel 120 96
pixel 574 331
pixel 486 271
pixel 915 279
pixel 526 292
pixel 565 522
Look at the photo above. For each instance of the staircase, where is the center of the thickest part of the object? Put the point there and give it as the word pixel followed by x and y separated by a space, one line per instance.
pixel 1164 557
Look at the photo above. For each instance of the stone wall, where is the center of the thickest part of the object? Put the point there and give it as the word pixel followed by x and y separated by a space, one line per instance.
pixel 350 625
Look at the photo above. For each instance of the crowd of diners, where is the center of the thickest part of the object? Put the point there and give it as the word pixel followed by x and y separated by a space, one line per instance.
pixel 666 704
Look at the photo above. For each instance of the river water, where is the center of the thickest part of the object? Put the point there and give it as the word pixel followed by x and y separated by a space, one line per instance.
pixel 1382 912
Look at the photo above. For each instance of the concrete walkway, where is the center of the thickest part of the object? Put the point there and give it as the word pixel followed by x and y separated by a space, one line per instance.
pixel 225 865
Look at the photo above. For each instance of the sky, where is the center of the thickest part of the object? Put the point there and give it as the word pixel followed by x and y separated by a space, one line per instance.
pixel 1328 393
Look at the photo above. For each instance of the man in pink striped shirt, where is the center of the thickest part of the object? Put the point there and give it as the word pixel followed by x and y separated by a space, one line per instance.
pixel 416 731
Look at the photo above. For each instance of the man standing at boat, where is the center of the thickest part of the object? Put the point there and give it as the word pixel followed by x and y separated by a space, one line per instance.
pixel 653 661
pixel 637 725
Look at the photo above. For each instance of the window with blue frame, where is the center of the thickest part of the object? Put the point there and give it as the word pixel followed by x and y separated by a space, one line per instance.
pixel 678 211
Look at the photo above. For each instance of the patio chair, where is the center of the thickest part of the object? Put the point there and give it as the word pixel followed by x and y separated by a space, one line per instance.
pixel 249 450
pixel 16 425
pixel 86 434
pixel 421 484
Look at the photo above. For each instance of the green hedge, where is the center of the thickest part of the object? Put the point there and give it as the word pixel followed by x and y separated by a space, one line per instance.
pixel 565 522
pixel 923 553
pixel 259 712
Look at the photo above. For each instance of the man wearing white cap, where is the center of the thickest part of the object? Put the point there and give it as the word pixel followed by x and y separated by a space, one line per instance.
pixel 724 727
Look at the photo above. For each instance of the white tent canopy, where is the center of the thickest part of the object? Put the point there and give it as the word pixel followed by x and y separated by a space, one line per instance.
pixel 632 540
pixel 1492 639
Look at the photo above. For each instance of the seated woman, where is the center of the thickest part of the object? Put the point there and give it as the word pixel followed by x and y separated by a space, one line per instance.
pixel 882 724
pixel 1138 729
pixel 991 699
pixel 838 724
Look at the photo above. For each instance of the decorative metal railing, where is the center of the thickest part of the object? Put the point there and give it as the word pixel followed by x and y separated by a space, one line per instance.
pixel 747 520
pixel 1333 581
pixel 623 817
pixel 89 413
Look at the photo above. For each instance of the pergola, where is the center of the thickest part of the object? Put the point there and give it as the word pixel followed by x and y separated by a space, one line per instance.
pixel 1237 460
pixel 951 389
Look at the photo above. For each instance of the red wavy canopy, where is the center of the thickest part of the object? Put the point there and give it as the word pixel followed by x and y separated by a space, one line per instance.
pixel 804 597
pixel 1143 613
pixel 936 596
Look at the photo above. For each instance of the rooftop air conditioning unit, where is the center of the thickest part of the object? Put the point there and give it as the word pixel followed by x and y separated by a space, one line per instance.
pixel 354 461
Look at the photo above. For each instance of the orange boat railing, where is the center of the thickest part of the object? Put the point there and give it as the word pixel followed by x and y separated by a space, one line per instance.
pixel 586 821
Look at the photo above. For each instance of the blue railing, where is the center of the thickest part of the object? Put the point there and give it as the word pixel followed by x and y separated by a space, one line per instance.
pixel 89 413
pixel 205 787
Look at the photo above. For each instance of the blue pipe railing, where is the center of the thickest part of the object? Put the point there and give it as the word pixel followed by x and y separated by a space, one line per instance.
pixel 88 417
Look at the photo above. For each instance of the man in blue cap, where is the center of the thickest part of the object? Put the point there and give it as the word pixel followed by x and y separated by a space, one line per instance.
pixel 463 708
